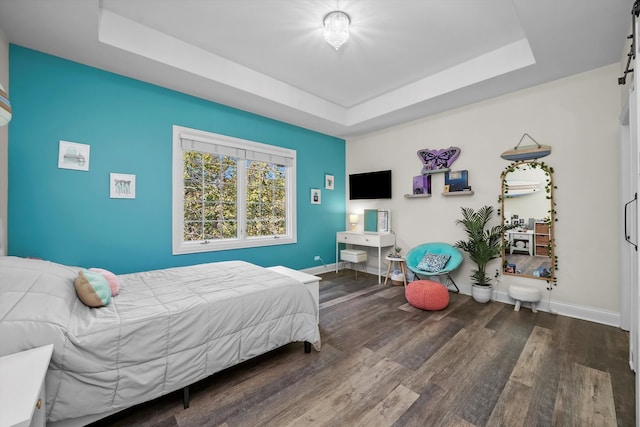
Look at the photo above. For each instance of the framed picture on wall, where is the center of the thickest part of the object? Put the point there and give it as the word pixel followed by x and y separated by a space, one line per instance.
pixel 315 196
pixel 328 182
pixel 72 155
pixel 122 186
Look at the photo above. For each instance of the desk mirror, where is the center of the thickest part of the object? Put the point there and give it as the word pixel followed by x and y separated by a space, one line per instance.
pixel 377 221
pixel 528 211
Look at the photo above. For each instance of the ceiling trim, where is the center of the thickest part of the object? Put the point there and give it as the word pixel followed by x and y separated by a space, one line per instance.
pixel 133 37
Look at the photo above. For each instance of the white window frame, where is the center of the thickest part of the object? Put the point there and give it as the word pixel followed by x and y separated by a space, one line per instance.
pixel 258 150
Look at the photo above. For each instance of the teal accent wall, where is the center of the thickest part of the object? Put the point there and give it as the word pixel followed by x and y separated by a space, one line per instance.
pixel 67 216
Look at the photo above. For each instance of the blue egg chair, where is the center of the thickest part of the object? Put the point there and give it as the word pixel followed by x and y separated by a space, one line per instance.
pixel 416 255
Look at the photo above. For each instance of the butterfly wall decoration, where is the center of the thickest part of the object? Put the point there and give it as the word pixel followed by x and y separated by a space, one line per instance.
pixel 438 159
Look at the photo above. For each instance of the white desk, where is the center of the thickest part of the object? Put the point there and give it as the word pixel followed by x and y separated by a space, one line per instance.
pixel 364 239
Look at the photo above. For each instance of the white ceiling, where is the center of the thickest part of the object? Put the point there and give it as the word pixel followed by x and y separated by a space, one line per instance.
pixel 405 59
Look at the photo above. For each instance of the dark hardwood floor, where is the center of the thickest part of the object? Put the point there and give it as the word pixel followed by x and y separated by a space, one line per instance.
pixel 385 363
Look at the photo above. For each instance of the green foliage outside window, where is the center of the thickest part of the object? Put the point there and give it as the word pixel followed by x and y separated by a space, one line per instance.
pixel 266 197
pixel 210 197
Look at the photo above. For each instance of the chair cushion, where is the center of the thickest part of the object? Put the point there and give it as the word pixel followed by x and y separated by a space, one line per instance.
pixel 524 293
pixel 427 295
pixel 433 262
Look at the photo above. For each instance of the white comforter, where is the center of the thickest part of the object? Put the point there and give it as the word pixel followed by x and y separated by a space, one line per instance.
pixel 165 330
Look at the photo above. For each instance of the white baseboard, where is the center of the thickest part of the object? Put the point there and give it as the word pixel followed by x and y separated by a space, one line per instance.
pixel 554 307
pixel 328 268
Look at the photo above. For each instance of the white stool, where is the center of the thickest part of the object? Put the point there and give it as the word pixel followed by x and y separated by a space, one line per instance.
pixel 354 256
pixel 522 293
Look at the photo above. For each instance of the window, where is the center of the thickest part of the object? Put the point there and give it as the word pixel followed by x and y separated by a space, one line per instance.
pixel 230 193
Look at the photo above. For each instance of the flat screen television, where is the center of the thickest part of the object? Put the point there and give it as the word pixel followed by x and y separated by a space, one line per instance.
pixel 370 185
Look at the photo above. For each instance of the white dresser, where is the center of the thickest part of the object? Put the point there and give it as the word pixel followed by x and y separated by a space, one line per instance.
pixel 365 239
pixel 22 387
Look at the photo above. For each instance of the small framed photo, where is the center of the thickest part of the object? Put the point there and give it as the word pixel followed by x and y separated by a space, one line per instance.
pixel 315 196
pixel 72 155
pixel 328 182
pixel 384 221
pixel 122 186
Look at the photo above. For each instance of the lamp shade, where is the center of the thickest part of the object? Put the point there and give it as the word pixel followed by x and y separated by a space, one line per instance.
pixel 5 107
pixel 353 219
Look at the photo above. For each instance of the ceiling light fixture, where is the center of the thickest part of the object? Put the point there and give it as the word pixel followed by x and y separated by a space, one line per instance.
pixel 5 107
pixel 336 28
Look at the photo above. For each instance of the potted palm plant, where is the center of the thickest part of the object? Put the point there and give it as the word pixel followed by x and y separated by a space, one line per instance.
pixel 483 244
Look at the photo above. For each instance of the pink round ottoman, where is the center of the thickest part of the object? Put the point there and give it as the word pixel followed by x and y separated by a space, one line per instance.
pixel 427 295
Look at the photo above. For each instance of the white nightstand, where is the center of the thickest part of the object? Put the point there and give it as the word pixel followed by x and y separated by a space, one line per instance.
pixel 22 387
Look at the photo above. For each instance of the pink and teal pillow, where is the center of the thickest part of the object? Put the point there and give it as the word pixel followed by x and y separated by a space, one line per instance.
pixel 92 288
pixel 112 280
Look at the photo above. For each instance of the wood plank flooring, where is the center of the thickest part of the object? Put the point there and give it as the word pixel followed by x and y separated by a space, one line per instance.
pixel 386 363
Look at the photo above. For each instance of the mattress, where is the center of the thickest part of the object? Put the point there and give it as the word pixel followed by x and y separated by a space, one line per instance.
pixel 165 330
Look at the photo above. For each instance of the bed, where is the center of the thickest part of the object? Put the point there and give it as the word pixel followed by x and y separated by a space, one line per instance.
pixel 165 330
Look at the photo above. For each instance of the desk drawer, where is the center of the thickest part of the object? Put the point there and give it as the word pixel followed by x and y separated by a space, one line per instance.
pixel 359 239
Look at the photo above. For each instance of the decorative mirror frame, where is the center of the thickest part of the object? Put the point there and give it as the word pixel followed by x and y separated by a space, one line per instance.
pixel 550 219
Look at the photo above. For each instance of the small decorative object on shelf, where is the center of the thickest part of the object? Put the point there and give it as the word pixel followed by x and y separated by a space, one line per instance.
pixel 396 253
pixel 434 160
pixel 422 184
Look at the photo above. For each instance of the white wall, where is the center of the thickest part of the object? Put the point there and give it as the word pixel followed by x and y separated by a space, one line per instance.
pixel 4 141
pixel 578 117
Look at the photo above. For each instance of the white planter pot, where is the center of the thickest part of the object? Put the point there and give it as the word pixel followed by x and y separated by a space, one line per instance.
pixel 481 293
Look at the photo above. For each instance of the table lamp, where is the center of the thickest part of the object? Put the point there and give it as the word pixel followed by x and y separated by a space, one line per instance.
pixel 353 220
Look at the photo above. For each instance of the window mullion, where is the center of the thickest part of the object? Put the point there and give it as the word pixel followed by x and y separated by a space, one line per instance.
pixel 241 198
pixel 202 198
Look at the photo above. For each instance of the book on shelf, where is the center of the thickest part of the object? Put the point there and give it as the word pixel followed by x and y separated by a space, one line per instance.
pixel 422 184
pixel 457 180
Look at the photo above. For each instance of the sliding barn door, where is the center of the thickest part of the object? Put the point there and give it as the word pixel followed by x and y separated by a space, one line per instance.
pixel 629 265
pixel 629 226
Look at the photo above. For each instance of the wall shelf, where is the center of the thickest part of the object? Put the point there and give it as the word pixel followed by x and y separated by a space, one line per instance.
pixel 416 196
pixel 458 193
pixel 432 171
